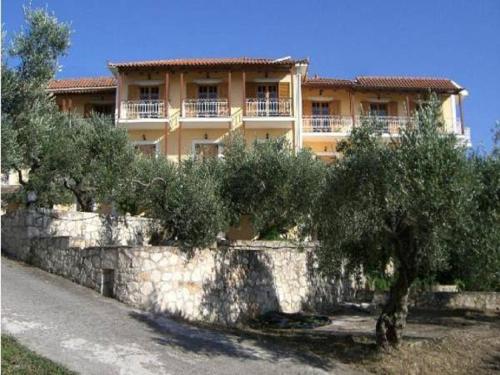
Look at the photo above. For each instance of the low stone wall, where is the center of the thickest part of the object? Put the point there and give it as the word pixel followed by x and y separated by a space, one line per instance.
pixel 224 285
pixel 480 301
pixel 20 227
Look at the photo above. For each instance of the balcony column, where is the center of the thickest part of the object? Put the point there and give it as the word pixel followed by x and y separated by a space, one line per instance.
pixel 179 130
pixel 461 113
pixel 165 110
pixel 229 82
pixel 294 123
pixel 351 108
pixel 118 100
pixel 243 77
pixel 408 106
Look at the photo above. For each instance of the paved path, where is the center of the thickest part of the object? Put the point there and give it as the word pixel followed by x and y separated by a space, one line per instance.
pixel 91 334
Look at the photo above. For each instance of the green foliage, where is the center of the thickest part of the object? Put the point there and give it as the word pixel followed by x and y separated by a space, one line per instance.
pixel 267 181
pixel 400 201
pixel 86 157
pixel 475 259
pixel 28 112
pixel 184 198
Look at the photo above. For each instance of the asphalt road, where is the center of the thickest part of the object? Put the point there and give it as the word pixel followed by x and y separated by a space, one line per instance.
pixel 91 334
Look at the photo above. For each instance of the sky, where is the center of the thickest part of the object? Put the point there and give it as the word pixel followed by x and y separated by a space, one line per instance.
pixel 457 39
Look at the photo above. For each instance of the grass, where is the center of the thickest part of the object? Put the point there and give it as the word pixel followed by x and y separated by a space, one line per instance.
pixel 18 360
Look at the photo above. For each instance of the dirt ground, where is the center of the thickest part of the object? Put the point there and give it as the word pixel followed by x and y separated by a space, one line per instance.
pixel 444 342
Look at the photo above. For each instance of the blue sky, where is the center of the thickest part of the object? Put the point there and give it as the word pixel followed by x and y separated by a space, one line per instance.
pixel 458 39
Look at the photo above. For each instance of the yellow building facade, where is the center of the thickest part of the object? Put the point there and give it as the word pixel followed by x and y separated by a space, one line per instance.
pixel 186 107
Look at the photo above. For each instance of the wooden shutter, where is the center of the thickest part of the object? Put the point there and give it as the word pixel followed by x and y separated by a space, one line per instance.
pixel 307 107
pixel 335 108
pixel 365 108
pixel 87 109
pixel 284 90
pixel 393 108
pixel 133 92
pixel 191 91
pixel 413 107
pixel 222 91
pixel 251 90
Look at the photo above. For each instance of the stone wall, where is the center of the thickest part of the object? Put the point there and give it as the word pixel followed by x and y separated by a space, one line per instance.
pixel 227 284
pixel 21 227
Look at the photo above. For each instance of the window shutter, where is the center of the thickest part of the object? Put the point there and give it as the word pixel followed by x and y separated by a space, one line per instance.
pixel 335 108
pixel 87 109
pixel 222 91
pixel 284 90
pixel 365 108
pixel 251 90
pixel 393 108
pixel 413 107
pixel 191 91
pixel 307 107
pixel 133 92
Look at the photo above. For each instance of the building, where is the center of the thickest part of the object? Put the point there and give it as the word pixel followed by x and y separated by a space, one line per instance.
pixel 185 107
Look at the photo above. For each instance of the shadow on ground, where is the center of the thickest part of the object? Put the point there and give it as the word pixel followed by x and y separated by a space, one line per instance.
pixel 320 347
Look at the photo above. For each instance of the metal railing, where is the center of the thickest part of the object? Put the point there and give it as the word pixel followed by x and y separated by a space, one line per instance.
pixel 142 109
pixel 327 124
pixel 388 124
pixel 205 108
pixel 268 107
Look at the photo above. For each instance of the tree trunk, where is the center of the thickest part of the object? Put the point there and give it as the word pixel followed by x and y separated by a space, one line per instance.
pixel 392 320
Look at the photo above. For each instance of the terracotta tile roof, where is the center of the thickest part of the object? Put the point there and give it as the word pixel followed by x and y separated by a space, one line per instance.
pixel 388 83
pixel 332 82
pixel 86 84
pixel 411 83
pixel 206 62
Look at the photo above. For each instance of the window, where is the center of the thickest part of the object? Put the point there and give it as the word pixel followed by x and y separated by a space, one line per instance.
pixel 207 92
pixel 149 93
pixel 267 105
pixel 206 107
pixel 205 150
pixel 103 109
pixel 320 121
pixel 147 148
pixel 267 91
pixel 379 109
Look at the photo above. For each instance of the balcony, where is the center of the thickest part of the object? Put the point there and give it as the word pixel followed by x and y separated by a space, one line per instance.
pixel 327 124
pixel 142 110
pixel 390 125
pixel 196 113
pixel 281 107
pixel 268 113
pixel 205 108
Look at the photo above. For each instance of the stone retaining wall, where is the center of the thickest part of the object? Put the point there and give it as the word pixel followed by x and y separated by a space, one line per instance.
pixel 227 284
pixel 224 285
pixel 20 227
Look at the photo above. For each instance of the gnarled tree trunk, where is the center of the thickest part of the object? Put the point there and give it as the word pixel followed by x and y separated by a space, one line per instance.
pixel 392 320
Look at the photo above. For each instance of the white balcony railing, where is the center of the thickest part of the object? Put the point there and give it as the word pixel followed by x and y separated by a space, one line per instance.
pixel 268 107
pixel 142 109
pixel 327 124
pixel 205 108
pixel 389 124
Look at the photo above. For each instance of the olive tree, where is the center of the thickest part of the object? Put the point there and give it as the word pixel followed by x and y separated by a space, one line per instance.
pixel 184 198
pixel 28 111
pixel 270 182
pixel 87 158
pixel 397 202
